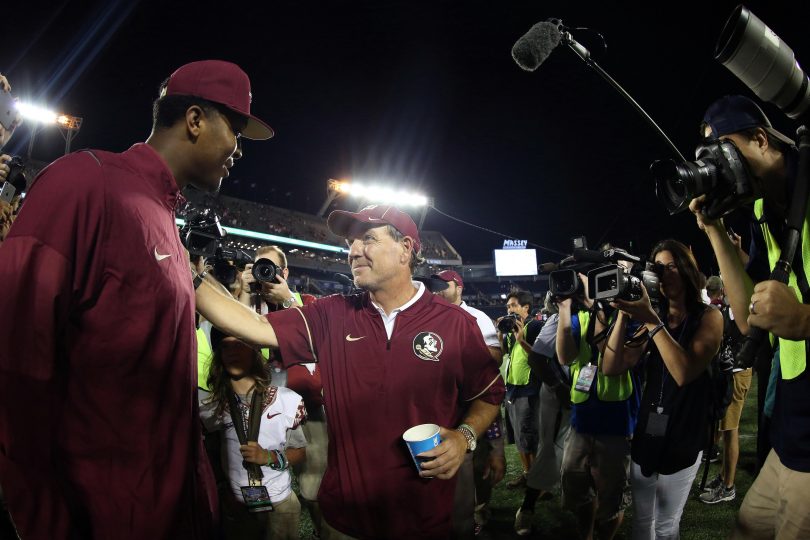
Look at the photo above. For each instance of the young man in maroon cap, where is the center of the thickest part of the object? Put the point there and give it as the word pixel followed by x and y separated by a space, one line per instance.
pixel 391 357
pixel 99 428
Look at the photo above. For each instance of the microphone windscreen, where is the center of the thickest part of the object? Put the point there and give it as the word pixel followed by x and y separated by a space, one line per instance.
pixel 536 45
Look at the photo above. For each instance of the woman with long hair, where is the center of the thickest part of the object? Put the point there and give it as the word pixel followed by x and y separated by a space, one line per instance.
pixel 673 423
pixel 261 441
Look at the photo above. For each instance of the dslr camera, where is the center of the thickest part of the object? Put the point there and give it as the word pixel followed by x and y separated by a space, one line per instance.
pixel 768 66
pixel 508 323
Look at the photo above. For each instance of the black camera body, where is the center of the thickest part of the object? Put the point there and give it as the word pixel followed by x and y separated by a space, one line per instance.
pixel 265 271
pixel 612 282
pixel 720 172
pixel 508 323
pixel 565 283
pixel 202 235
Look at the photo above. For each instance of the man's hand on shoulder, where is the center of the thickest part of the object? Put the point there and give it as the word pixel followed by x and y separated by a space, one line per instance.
pixel 449 455
pixel 777 310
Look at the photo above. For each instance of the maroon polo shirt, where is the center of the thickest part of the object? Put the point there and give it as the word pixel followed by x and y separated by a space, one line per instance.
pixel 374 390
pixel 99 430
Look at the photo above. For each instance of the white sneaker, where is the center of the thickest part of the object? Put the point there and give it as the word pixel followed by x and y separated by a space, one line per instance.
pixel 523 522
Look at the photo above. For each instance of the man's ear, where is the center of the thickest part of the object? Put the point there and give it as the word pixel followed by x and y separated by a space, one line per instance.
pixel 285 273
pixel 407 244
pixel 194 119
pixel 761 138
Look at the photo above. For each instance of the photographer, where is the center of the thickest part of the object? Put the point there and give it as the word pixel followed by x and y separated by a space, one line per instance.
pixel 673 422
pixel 776 503
pixel 271 296
pixel 597 451
pixel 516 336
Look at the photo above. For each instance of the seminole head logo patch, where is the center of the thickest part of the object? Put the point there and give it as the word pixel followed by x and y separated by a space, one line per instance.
pixel 428 346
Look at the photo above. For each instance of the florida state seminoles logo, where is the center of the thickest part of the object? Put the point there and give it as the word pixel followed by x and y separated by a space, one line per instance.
pixel 428 346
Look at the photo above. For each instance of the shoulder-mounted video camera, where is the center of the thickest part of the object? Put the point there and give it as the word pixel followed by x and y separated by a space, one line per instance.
pixel 608 280
pixel 203 235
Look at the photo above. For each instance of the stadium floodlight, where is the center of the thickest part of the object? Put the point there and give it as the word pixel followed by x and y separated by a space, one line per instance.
pixel 382 194
pixel 68 125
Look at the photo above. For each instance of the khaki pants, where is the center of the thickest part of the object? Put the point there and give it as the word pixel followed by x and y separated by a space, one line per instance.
pixel 742 383
pixel 776 506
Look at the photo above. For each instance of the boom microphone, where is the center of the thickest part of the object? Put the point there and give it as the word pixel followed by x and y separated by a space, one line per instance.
pixel 536 45
pixel 545 268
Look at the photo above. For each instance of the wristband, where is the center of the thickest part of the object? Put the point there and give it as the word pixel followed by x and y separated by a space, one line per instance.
pixel 655 330
pixel 198 279
pixel 270 458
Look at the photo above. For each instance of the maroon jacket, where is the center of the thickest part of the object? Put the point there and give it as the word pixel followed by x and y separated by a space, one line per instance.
pixel 99 430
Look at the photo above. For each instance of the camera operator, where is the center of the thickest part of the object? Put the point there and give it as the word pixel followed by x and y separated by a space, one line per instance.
pixel 673 422
pixel 596 457
pixel 516 334
pixel 776 503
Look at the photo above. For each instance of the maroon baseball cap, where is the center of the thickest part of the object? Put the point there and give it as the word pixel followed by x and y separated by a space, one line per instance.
pixel 220 82
pixel 340 221
pixel 449 275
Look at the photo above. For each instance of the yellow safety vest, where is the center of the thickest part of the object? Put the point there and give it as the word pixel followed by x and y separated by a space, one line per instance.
pixel 608 387
pixel 792 354
pixel 204 357
pixel 519 372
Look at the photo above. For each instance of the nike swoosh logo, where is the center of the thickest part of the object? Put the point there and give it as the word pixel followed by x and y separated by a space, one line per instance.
pixel 350 338
pixel 269 416
pixel 160 257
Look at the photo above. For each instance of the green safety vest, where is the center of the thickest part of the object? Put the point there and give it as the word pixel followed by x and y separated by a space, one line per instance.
pixel 204 357
pixel 608 387
pixel 792 354
pixel 519 372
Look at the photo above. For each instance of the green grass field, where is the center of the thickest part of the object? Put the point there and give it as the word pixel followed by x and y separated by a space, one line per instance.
pixel 699 522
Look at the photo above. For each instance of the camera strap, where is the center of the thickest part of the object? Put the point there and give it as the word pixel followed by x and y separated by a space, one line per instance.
pixel 251 424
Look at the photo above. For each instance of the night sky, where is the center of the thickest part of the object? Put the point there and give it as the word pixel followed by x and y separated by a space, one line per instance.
pixel 421 94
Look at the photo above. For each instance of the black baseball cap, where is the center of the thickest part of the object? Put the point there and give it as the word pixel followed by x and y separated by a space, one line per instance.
pixel 733 114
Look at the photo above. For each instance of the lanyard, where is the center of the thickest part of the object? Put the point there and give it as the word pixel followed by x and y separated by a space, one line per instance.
pixel 254 419
pixel 665 371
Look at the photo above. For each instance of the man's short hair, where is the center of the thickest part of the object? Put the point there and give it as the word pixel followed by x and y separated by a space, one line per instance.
pixel 523 298
pixel 416 258
pixel 714 284
pixel 264 250
pixel 168 110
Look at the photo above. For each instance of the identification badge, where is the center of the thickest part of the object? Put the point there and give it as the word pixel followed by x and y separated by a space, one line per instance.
pixel 256 498
pixel 585 379
pixel 657 424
